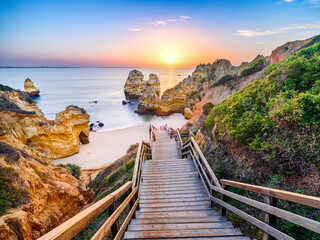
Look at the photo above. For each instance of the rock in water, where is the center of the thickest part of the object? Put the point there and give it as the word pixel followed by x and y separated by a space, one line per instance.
pixel 30 89
pixel 134 85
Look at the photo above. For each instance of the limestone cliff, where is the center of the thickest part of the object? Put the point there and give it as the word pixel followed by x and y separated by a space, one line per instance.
pixel 190 90
pixel 56 139
pixel 37 195
pixel 30 89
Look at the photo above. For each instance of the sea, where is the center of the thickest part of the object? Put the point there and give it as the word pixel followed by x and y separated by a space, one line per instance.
pixel 98 90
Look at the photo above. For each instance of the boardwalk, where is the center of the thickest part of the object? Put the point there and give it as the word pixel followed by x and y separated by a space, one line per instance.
pixel 173 201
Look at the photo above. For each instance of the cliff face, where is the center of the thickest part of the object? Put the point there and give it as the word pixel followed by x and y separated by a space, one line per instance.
pixel 30 89
pixel 37 195
pixel 287 49
pixel 56 139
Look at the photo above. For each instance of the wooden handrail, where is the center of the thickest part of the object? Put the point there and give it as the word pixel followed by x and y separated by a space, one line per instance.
pixel 205 163
pixel 191 148
pixel 281 194
pixel 100 234
pixel 291 217
pixel 70 228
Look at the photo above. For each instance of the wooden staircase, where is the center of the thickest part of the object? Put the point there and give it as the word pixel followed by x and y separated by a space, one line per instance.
pixel 170 197
pixel 173 201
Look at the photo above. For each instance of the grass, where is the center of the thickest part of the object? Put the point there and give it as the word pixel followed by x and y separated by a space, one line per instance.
pixel 83 111
pixel 10 195
pixel 74 169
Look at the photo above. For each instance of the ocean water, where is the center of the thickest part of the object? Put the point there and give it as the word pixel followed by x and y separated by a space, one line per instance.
pixel 60 87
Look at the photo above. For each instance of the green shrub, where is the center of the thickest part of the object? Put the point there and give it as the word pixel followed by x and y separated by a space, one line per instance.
pixel 132 147
pixel 74 169
pixel 207 107
pixel 278 115
pixel 10 196
pixel 256 66
pixel 223 80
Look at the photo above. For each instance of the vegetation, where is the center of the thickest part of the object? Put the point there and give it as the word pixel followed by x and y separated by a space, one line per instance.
pixel 10 195
pixel 10 154
pixel 133 147
pixel 22 95
pixel 74 169
pixel 223 80
pixel 254 67
pixel 7 105
pixel 274 123
pixel 207 107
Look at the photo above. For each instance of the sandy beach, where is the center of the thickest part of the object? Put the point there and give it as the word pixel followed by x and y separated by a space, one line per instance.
pixel 107 146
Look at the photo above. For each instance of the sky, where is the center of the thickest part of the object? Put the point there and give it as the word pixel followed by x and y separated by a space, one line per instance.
pixel 168 34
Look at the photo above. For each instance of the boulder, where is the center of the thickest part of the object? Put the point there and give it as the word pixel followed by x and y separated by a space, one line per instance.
pixel 154 82
pixel 188 113
pixel 30 89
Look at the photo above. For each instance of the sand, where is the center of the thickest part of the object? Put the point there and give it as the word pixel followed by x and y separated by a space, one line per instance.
pixel 106 146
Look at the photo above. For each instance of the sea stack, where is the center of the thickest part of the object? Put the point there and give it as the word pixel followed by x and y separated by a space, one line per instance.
pixel 134 85
pixel 30 89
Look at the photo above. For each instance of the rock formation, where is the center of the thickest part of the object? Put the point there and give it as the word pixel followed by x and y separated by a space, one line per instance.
pixel 30 89
pixel 43 195
pixel 134 85
pixel 56 139
pixel 287 49
pixel 190 90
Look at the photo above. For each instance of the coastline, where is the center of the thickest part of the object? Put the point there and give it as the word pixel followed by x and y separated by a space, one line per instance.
pixel 106 147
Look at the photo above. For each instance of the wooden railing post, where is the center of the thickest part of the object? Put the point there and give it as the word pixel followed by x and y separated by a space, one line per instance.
pixel 115 226
pixel 269 219
pixel 211 194
pixel 223 198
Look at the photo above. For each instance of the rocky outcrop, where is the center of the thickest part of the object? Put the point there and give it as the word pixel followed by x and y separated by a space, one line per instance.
pixel 287 49
pixel 30 89
pixel 56 139
pixel 41 195
pixel 148 101
pixel 134 85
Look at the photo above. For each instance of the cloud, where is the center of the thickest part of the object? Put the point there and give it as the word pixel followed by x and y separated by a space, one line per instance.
pixel 315 2
pixel 185 17
pixel 289 1
pixel 159 22
pixel 135 29
pixel 171 20
pixel 259 32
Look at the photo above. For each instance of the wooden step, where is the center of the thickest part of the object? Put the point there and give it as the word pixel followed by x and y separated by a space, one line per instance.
pixel 172 180
pixel 169 175
pixel 183 191
pixel 178 208
pixel 178 220
pixel 182 233
pixel 177 196
pixel 170 189
pixel 177 214
pixel 173 200
pixel 174 204
pixel 209 238
pixel 179 226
